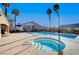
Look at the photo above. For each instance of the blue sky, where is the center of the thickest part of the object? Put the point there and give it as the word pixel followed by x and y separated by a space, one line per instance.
pixel 69 13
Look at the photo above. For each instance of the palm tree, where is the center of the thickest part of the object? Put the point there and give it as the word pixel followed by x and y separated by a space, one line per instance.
pixel 56 8
pixel 49 12
pixel 6 5
pixel 16 13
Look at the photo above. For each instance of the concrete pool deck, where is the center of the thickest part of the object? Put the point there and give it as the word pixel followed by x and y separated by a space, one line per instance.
pixel 13 45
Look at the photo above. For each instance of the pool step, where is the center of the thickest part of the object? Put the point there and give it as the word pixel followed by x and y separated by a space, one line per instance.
pixel 39 46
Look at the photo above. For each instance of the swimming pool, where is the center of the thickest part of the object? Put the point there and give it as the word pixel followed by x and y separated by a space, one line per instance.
pixel 46 44
pixel 62 35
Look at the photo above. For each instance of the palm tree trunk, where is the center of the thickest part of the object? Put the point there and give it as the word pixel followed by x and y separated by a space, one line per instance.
pixel 6 11
pixel 59 52
pixel 15 21
pixel 49 22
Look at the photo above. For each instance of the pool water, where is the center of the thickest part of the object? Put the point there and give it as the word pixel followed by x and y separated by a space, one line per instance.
pixel 48 44
pixel 71 36
pixel 64 35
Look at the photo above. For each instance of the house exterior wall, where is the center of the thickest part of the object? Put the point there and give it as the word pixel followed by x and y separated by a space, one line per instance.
pixel 4 24
pixel 29 27
pixel 0 31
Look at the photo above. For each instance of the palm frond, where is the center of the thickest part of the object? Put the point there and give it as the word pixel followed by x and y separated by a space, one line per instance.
pixel 49 11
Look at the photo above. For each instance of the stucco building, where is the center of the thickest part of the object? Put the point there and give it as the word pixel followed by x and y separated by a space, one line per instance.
pixel 4 24
pixel 29 26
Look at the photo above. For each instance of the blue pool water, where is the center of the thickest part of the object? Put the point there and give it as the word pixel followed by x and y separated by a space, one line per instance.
pixel 48 44
pixel 69 36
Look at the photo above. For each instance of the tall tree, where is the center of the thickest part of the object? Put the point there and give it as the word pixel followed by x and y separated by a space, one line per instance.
pixel 6 5
pixel 49 14
pixel 16 13
pixel 56 8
